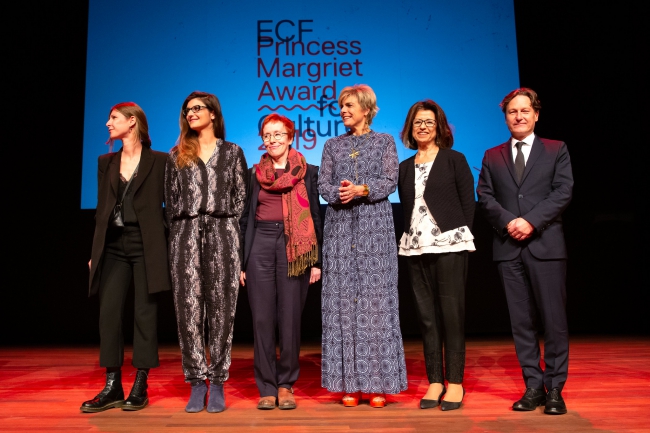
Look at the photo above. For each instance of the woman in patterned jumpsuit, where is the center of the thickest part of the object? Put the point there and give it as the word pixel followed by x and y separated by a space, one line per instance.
pixel 205 188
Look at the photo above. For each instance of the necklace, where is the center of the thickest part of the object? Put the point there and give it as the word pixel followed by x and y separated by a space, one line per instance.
pixel 354 153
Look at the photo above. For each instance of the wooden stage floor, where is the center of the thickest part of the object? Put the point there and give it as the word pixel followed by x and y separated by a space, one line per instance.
pixel 41 389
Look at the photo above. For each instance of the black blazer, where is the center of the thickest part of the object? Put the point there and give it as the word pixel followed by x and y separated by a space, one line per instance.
pixel 449 192
pixel 544 193
pixel 247 220
pixel 148 202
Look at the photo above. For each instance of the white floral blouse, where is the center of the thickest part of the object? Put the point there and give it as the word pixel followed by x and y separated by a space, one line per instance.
pixel 424 235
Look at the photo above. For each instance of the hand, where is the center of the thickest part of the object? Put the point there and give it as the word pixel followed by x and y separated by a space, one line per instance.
pixel 315 275
pixel 242 278
pixel 520 229
pixel 90 262
pixel 348 191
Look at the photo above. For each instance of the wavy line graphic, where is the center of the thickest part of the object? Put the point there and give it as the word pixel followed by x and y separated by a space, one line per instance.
pixel 289 109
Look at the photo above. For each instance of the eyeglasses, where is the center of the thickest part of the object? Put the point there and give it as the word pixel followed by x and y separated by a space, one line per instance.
pixel 276 136
pixel 429 123
pixel 194 109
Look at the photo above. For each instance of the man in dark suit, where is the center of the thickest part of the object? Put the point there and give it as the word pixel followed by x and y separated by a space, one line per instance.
pixel 524 186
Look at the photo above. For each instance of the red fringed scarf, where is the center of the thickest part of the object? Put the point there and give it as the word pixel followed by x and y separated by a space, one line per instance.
pixel 302 246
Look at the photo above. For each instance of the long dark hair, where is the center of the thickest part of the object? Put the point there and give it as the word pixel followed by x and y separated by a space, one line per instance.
pixel 187 147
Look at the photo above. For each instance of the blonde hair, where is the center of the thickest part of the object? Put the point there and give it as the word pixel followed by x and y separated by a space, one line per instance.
pixel 365 96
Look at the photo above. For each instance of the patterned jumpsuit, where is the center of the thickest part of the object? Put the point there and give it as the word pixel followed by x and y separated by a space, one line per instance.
pixel 204 204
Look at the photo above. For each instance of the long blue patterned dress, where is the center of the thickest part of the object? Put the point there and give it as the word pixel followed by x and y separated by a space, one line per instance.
pixel 362 342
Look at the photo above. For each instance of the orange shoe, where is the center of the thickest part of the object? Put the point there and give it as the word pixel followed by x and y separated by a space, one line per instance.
pixel 351 400
pixel 377 400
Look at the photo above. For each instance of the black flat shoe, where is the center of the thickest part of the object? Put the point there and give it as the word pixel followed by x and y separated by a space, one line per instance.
pixel 452 405
pixel 138 398
pixel 530 400
pixel 430 404
pixel 555 403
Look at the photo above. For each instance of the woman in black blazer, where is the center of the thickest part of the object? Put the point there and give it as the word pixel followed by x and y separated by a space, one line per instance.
pixel 281 235
pixel 134 251
pixel 436 189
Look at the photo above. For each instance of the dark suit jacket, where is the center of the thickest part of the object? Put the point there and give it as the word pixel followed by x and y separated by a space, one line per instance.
pixel 247 220
pixel 544 193
pixel 148 201
pixel 449 192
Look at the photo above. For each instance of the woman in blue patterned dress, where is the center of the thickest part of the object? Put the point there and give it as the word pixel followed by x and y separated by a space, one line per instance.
pixel 362 342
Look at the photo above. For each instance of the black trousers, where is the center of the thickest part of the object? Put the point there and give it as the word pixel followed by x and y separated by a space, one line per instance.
pixel 123 262
pixel 531 286
pixel 438 282
pixel 276 302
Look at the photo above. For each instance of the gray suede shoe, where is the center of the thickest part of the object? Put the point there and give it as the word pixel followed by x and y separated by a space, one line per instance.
pixel 197 397
pixel 217 401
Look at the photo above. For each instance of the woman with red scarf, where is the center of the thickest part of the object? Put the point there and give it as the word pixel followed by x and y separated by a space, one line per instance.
pixel 281 237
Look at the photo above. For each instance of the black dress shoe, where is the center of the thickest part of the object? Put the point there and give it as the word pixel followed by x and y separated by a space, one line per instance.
pixel 138 398
pixel 430 404
pixel 555 403
pixel 452 405
pixel 111 396
pixel 531 399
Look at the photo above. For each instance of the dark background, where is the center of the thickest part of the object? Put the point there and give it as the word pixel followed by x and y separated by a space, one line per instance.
pixel 582 59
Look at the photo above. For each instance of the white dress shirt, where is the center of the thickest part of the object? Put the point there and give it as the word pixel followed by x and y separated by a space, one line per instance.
pixel 528 145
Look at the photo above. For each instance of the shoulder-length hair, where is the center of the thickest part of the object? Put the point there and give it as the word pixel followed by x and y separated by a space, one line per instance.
pixel 187 147
pixel 128 109
pixel 444 137
pixel 365 96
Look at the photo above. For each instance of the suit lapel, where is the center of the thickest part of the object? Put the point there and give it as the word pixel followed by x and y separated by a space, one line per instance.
pixel 114 171
pixel 506 152
pixel 409 175
pixel 535 152
pixel 255 192
pixel 432 178
pixel 307 180
pixel 146 162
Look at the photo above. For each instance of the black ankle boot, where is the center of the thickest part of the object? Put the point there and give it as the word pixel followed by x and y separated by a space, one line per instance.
pixel 111 396
pixel 138 398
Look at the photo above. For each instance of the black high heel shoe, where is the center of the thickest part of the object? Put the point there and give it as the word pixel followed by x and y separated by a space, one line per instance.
pixel 452 405
pixel 430 404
